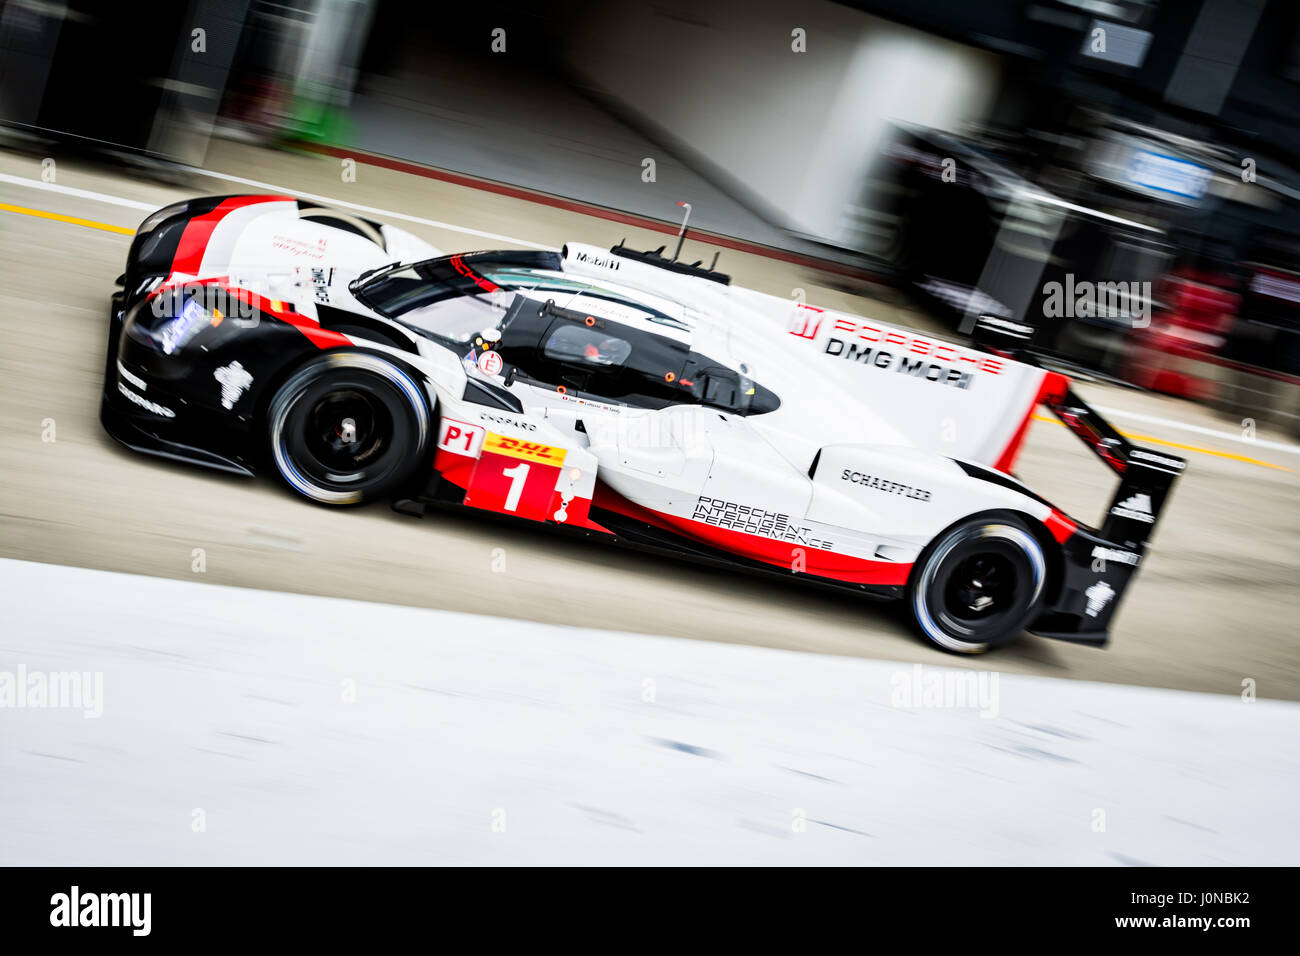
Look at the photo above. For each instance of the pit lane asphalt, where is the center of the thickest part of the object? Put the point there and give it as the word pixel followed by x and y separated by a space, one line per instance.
pixel 1215 604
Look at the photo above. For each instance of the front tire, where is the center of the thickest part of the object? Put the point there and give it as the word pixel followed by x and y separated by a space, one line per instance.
pixel 348 428
pixel 978 584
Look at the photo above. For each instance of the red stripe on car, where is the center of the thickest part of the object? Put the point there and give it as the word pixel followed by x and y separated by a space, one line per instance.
pixel 817 562
pixel 284 311
pixel 198 231
pixel 1060 526
pixel 1052 389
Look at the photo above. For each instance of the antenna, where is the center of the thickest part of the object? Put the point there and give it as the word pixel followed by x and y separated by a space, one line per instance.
pixel 681 233
pixel 656 257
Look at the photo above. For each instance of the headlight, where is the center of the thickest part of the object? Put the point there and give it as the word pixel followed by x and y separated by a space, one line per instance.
pixel 174 334
pixel 170 332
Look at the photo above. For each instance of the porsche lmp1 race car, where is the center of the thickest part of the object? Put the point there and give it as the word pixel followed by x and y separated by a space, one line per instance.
pixel 621 395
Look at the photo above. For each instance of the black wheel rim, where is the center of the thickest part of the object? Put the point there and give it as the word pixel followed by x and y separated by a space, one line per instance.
pixel 980 588
pixel 347 430
pixel 343 437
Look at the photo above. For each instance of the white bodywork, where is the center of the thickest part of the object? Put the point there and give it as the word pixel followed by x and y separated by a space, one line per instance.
pixel 883 411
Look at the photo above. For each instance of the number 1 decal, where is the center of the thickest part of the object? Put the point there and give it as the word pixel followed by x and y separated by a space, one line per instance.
pixel 513 476
pixel 518 475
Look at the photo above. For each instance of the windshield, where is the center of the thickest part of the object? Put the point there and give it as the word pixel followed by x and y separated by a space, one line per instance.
pixel 455 297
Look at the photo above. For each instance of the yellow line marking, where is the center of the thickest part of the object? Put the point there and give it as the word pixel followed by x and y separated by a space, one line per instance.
pixel 1174 444
pixel 89 223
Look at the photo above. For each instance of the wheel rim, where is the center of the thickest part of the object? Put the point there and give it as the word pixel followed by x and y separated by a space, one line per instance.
pixel 339 442
pixel 346 429
pixel 345 432
pixel 979 585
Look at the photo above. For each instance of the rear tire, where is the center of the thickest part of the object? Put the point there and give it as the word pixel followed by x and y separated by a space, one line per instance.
pixel 978 584
pixel 348 428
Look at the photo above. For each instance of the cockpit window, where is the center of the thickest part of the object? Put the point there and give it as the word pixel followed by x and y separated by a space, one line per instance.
pixel 577 343
pixel 460 318
pixel 559 331
pixel 398 290
pixel 454 297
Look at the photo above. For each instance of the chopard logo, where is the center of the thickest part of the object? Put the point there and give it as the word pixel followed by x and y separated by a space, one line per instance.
pixel 502 420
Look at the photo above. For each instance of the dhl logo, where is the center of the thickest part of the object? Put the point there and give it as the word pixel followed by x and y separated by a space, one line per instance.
pixel 526 450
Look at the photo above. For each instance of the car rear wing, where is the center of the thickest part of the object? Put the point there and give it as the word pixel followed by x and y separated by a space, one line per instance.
pixel 1146 476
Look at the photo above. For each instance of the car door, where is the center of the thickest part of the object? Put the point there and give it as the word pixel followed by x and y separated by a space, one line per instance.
pixel 751 488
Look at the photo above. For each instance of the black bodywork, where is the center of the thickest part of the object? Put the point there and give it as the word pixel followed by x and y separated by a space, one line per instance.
pixel 201 429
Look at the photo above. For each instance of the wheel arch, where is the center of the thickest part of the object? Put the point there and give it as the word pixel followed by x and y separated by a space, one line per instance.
pixel 1053 555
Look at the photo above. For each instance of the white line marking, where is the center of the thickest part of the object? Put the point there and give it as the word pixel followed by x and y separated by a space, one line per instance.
pixel 1200 430
pixel 384 213
pixel 381 213
pixel 80 193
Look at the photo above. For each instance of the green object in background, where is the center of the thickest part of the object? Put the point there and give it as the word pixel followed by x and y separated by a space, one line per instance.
pixel 316 122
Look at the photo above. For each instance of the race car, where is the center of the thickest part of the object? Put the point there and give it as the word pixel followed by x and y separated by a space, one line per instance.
pixel 624 396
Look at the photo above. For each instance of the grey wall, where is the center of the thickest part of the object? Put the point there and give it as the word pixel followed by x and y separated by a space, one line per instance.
pixel 794 134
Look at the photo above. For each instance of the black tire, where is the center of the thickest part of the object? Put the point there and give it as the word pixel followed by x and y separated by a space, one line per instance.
pixel 348 428
pixel 977 585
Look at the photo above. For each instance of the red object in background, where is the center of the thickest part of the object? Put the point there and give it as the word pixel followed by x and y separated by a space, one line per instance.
pixel 1201 308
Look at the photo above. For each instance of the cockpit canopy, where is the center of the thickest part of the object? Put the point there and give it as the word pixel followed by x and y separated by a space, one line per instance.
pixel 560 330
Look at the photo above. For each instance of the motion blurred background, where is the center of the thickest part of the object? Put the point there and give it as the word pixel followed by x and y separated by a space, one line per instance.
pixel 913 161
pixel 960 156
